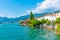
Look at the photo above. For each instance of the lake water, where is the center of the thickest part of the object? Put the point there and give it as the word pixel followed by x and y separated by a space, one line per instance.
pixel 17 32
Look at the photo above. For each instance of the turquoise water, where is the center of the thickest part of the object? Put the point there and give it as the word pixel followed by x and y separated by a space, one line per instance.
pixel 17 32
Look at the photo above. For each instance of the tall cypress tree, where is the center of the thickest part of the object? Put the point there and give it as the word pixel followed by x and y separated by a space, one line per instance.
pixel 31 16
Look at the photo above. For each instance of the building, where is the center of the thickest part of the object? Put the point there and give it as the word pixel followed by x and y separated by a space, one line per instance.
pixel 50 16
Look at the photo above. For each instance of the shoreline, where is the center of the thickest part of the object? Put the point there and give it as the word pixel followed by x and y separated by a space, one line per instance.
pixel 57 32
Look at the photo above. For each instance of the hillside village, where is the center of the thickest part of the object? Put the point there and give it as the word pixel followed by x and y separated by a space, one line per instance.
pixel 49 21
pixel 50 16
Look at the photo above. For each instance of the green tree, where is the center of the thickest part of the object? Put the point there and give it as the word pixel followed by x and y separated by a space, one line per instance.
pixel 57 20
pixel 43 21
pixel 31 16
pixel 48 22
pixel 33 23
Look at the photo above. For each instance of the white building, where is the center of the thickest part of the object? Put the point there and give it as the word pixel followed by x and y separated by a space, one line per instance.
pixel 51 16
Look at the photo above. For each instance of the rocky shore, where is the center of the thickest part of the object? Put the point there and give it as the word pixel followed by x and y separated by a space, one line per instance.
pixel 57 32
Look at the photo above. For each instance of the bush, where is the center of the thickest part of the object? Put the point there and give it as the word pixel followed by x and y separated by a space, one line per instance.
pixel 43 21
pixel 58 27
pixel 48 22
pixel 34 22
pixel 57 20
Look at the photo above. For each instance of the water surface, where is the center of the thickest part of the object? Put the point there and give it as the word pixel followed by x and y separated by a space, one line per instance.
pixel 17 32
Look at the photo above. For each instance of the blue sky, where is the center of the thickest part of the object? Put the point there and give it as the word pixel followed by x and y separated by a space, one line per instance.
pixel 16 8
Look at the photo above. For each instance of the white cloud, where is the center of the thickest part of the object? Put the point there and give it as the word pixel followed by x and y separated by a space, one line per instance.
pixel 47 6
pixel 23 14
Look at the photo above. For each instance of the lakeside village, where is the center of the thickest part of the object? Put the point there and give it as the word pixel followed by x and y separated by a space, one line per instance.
pixel 50 21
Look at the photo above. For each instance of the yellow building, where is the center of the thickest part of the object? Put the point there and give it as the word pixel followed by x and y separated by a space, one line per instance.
pixel 57 14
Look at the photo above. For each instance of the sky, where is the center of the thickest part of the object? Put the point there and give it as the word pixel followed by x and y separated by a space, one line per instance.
pixel 17 8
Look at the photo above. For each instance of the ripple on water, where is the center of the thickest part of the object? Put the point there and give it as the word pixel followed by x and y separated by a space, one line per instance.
pixel 16 32
pixel 45 35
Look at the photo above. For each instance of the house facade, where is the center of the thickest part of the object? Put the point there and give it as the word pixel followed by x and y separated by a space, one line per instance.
pixel 51 16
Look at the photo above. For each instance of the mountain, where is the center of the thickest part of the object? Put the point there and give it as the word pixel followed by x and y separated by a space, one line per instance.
pixel 5 20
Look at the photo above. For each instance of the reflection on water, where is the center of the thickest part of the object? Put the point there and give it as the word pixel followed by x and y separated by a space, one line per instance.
pixel 42 34
pixel 17 32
